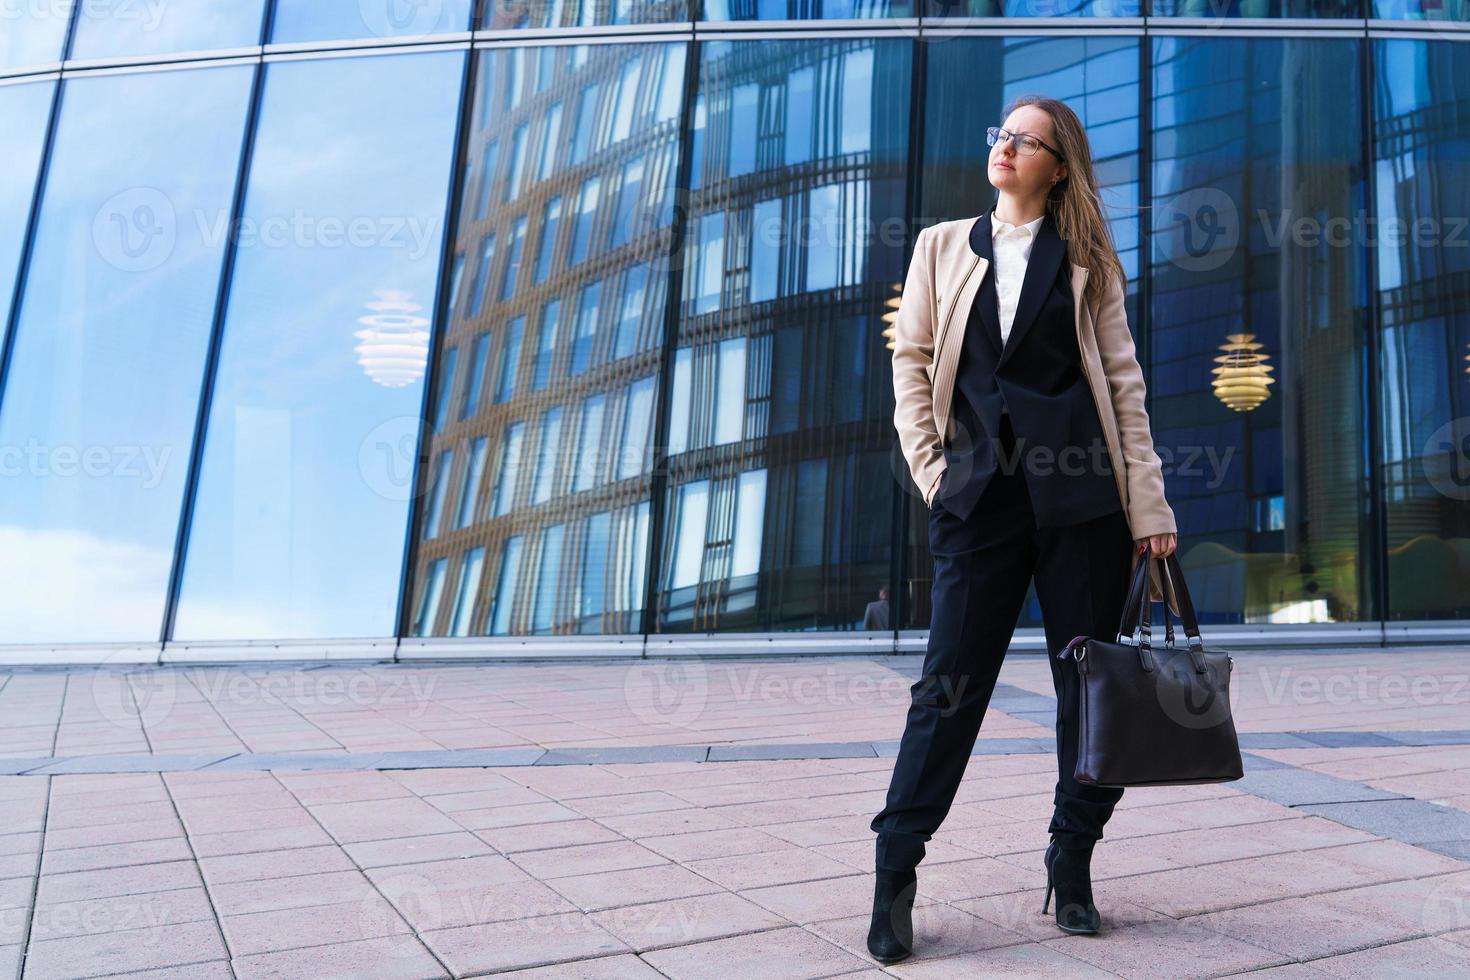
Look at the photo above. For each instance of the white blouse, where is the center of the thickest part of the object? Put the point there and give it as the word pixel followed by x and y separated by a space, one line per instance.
pixel 1011 249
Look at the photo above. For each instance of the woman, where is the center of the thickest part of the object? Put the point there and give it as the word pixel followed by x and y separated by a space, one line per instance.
pixel 1020 410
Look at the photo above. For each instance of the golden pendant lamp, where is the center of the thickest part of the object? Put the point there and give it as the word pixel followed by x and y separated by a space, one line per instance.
pixel 1243 378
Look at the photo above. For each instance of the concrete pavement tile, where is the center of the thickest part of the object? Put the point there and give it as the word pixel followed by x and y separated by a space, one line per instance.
pixel 496 946
pixel 815 901
pixel 1304 928
pixel 155 910
pixel 439 782
pixel 230 868
pixel 370 917
pixel 255 841
pixel 391 958
pixel 626 803
pixel 1414 958
pixel 28 842
pixel 584 859
pixel 75 886
pixel 515 816
pixel 959 880
pixel 1020 911
pixel 786 865
pixel 417 850
pixel 116 855
pixel 126 950
pixel 712 844
pixel 449 894
pixel 382 820
pixel 300 892
pixel 1414 821
pixel 637 886
pixel 123 833
pixel 16 893
pixel 681 921
pixel 563 833
pixel 1167 948
pixel 484 799
pixel 661 822
pixel 623 967
pixel 782 954
pixel 229 821
pixel 63 817
pixel 10 961
pixel 1027 960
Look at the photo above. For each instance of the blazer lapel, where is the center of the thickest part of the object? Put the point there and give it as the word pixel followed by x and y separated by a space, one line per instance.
pixel 1042 266
pixel 980 233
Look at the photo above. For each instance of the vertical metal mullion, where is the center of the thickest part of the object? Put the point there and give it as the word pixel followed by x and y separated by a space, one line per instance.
pixel 433 378
pixel 898 592
pixel 658 484
pixel 1377 523
pixel 211 360
pixel 33 216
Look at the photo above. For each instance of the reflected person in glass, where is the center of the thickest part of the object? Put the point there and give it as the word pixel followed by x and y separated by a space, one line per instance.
pixel 1019 404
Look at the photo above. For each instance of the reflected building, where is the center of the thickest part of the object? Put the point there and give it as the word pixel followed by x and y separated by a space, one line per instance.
pixel 342 329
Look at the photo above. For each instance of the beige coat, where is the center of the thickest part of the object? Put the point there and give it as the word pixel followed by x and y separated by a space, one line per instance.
pixel 940 288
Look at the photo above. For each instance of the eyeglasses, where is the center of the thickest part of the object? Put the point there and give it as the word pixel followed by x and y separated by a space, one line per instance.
pixel 1026 144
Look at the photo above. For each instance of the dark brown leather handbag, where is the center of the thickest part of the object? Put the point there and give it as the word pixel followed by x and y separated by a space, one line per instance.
pixel 1151 715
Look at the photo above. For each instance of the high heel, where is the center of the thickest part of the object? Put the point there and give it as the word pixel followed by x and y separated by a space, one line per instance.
pixel 891 932
pixel 1067 872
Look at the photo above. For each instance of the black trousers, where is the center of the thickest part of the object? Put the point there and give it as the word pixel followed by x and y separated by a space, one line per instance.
pixel 982 568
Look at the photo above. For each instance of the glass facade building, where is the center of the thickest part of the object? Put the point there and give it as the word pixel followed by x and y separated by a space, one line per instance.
pixel 368 328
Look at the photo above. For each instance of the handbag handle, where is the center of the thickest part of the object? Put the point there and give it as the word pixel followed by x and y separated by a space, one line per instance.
pixel 1173 575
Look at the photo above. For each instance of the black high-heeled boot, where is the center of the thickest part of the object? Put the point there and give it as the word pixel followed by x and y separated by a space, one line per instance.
pixel 1067 869
pixel 891 934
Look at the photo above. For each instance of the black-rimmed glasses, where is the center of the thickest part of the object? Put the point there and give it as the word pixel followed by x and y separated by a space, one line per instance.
pixel 1026 144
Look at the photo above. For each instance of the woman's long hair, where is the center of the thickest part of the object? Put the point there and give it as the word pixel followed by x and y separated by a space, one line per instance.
pixel 1073 201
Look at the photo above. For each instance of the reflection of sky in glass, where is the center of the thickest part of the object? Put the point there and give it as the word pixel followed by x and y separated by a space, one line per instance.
pixel 33 35
pixel 109 351
pixel 328 20
pixel 119 29
pixel 303 498
pixel 24 109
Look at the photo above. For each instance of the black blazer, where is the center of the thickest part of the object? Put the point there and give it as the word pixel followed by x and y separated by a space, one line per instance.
pixel 1036 375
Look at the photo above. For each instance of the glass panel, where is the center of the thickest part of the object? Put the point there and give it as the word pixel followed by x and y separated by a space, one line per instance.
pixel 110 346
pixel 1422 186
pixel 1219 9
pixel 304 490
pixel 1038 8
pixel 26 109
pixel 793 199
pixel 1097 77
pixel 1258 277
pixel 122 29
pixel 574 320
pixel 741 10
pixel 1432 11
pixel 32 33
pixel 501 16
pixel 469 586
pixel 329 20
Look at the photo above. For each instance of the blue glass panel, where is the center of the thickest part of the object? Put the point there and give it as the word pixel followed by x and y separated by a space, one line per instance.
pixel 571 304
pixel 303 495
pixel 1260 282
pixel 327 20
pixel 127 29
pixel 114 323
pixel 32 33
pixel 741 10
pixel 800 159
pixel 1421 158
pixel 25 107
pixel 503 16
pixel 1218 9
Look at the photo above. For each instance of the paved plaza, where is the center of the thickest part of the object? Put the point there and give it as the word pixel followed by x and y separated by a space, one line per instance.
pixel 703 818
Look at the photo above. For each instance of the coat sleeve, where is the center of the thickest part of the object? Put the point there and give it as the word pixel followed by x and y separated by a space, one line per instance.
pixel 1149 512
pixel 913 357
